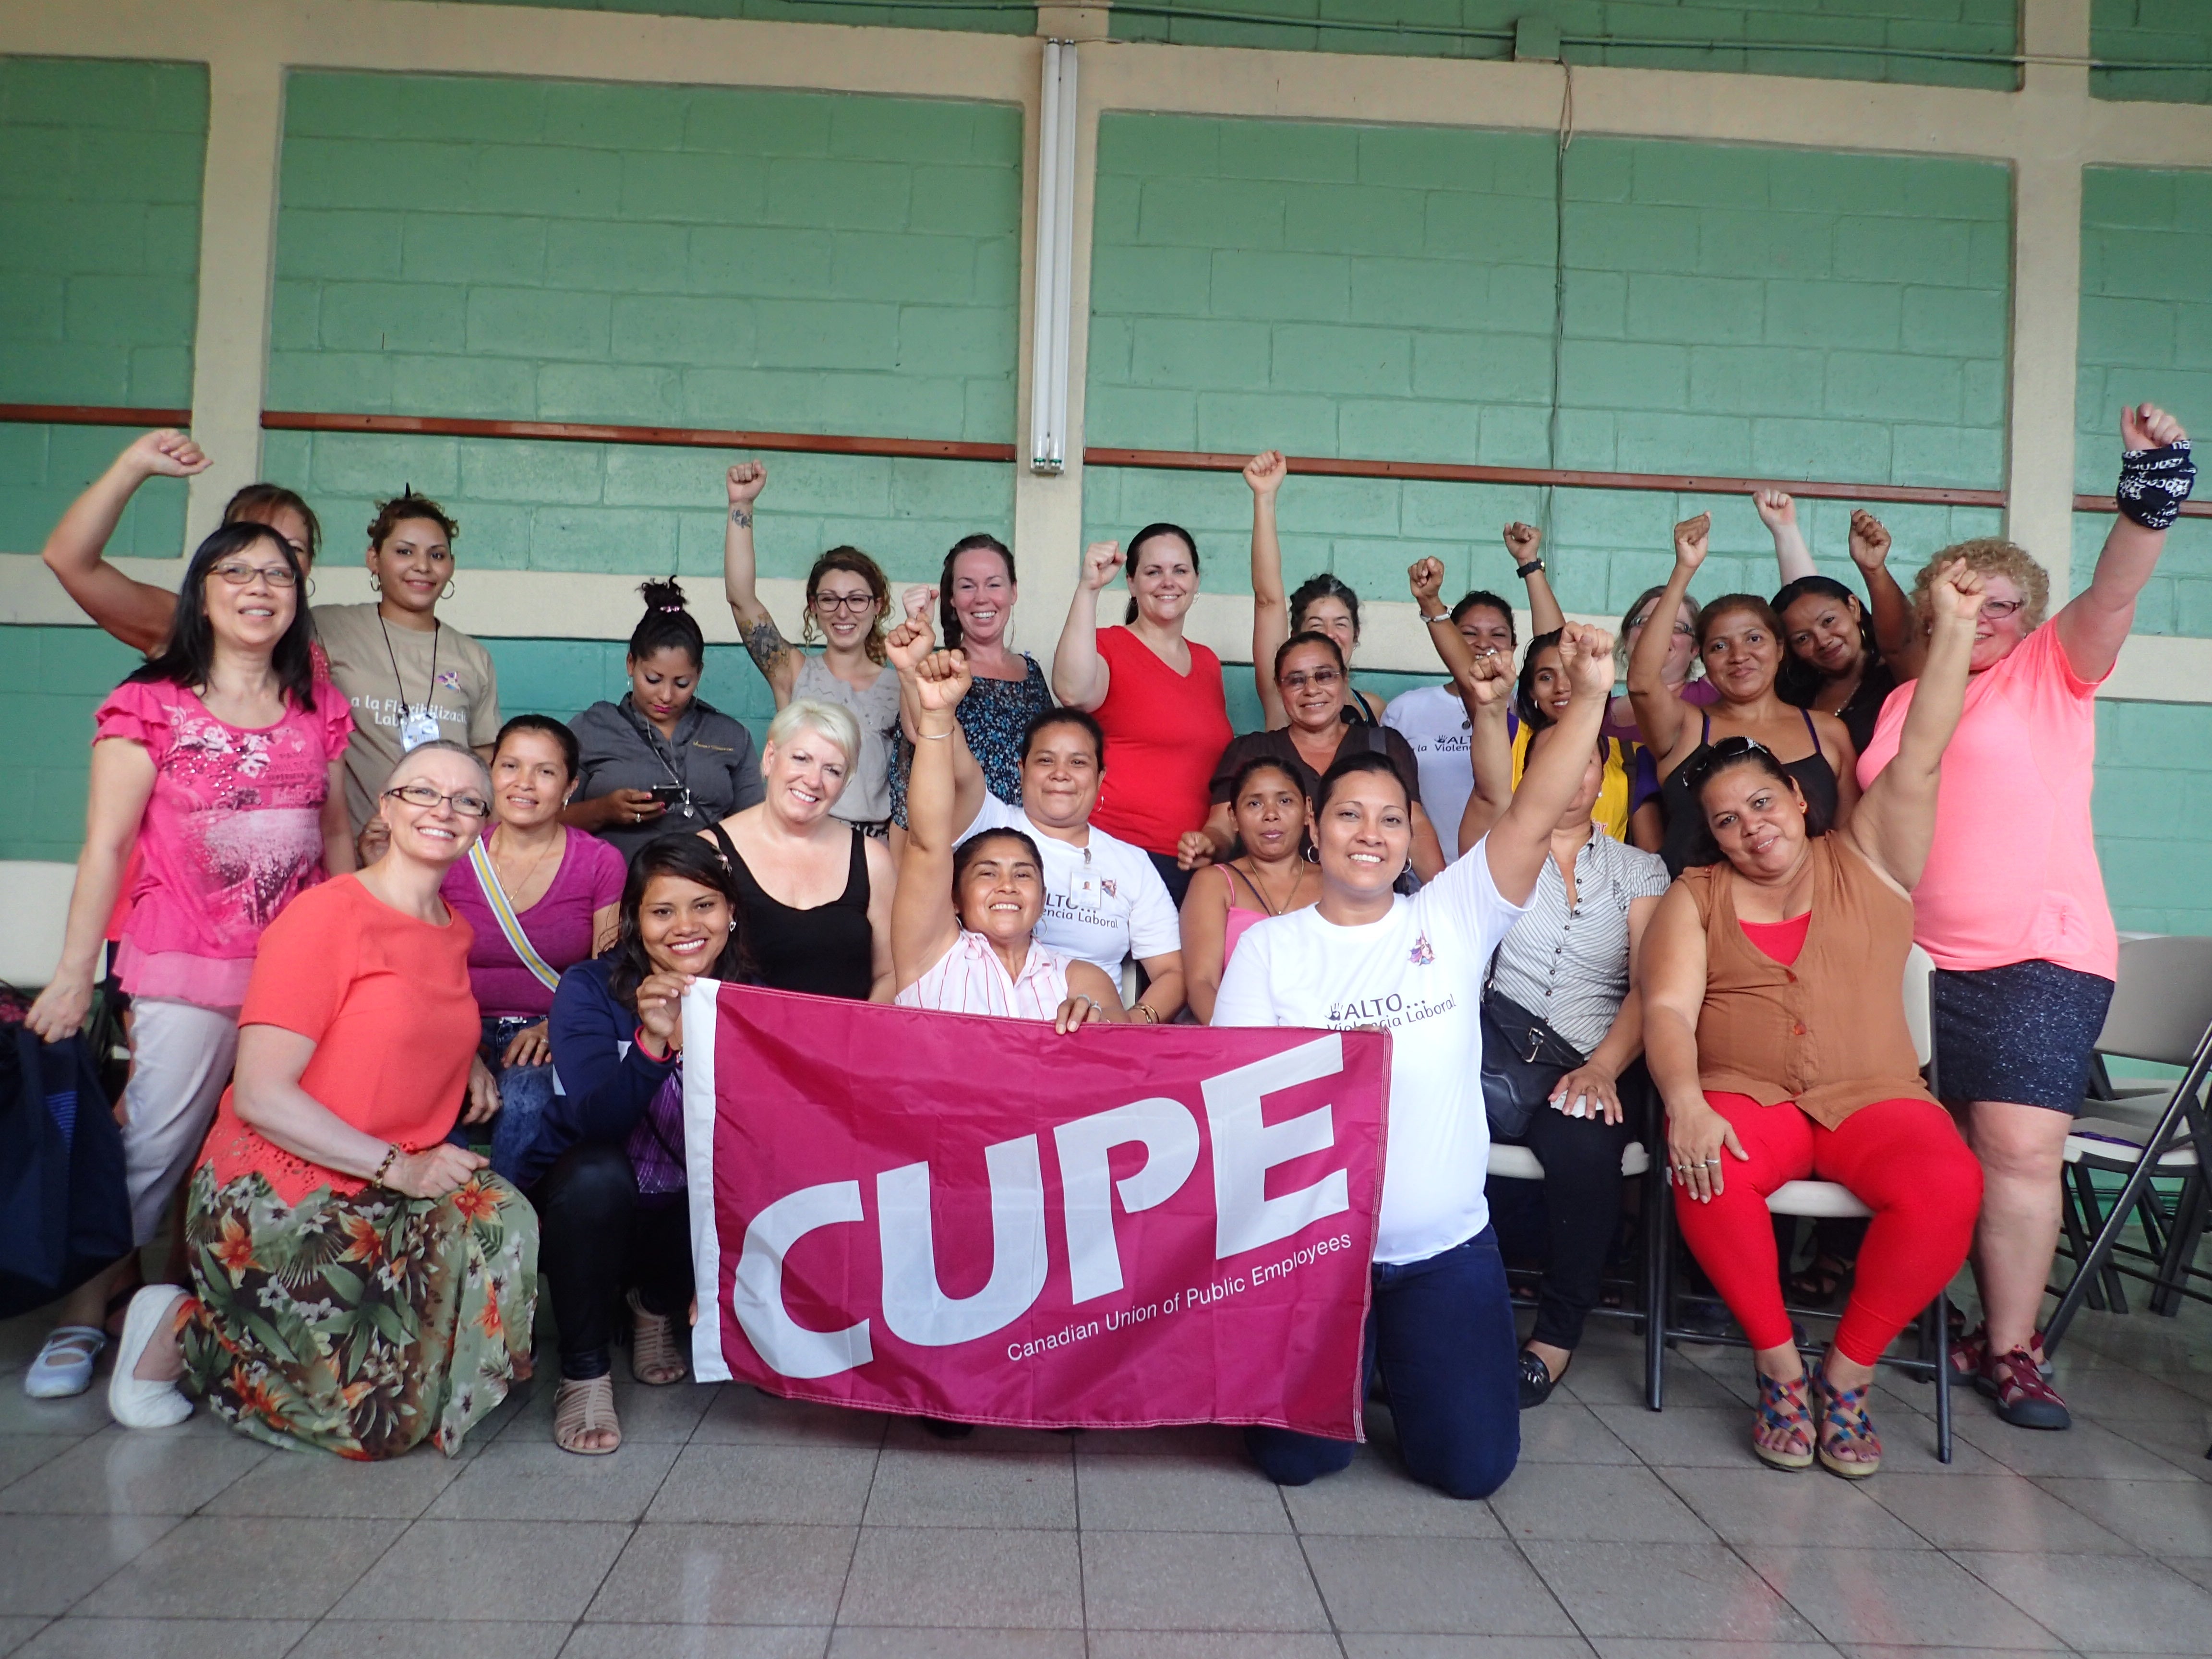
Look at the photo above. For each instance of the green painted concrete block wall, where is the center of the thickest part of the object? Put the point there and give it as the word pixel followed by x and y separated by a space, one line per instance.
pixel 2176 34
pixel 649 256
pixel 2146 335
pixel 983 20
pixel 1340 290
pixel 1934 42
pixel 100 231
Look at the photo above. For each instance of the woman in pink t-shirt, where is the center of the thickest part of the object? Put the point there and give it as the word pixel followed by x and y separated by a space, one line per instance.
pixel 220 760
pixel 2012 905
pixel 559 890
pixel 1156 693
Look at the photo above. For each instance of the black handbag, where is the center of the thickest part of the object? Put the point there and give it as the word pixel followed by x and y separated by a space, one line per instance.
pixel 1522 1060
pixel 64 1213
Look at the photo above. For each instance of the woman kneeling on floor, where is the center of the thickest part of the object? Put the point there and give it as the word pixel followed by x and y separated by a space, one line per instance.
pixel 1775 1029
pixel 358 1284
pixel 606 1167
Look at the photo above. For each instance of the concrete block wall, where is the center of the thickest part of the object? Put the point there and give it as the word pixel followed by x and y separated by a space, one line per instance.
pixel 2174 34
pixel 902 14
pixel 1339 290
pixel 100 231
pixel 1846 39
pixel 649 256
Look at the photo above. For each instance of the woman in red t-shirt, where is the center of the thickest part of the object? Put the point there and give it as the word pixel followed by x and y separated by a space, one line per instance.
pixel 1156 695
pixel 358 1283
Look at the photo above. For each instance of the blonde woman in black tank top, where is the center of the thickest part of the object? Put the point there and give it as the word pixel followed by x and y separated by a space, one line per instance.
pixel 816 893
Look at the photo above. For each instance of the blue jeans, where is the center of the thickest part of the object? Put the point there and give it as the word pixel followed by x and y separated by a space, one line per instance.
pixel 525 1091
pixel 1441 1329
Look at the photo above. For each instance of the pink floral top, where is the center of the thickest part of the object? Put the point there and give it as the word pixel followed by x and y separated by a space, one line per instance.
pixel 232 831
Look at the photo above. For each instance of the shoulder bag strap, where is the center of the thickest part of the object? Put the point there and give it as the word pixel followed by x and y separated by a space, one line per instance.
pixel 510 925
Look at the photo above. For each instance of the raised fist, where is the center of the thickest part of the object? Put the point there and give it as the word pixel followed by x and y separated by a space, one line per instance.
pixel 1955 594
pixel 1100 561
pixel 746 480
pixel 1869 540
pixel 1523 541
pixel 1266 471
pixel 1488 679
pixel 2146 426
pixel 1776 508
pixel 168 453
pixel 1425 577
pixel 919 601
pixel 1586 654
pixel 1691 538
pixel 909 643
pixel 941 679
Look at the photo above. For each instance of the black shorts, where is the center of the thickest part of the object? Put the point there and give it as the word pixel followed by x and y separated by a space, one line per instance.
pixel 2024 1033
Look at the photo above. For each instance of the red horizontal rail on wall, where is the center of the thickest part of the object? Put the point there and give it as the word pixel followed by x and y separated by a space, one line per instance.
pixel 1451 473
pixel 2106 504
pixel 92 415
pixel 677 437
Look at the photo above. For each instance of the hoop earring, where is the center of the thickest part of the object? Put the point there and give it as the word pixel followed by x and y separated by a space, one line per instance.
pixel 1310 852
pixel 447 592
pixel 311 587
pixel 375 583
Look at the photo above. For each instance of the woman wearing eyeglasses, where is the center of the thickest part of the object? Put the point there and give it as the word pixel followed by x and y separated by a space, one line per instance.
pixel 847 605
pixel 221 761
pixel 1775 1030
pixel 1739 639
pixel 358 1284
pixel 2013 906
pixel 1310 679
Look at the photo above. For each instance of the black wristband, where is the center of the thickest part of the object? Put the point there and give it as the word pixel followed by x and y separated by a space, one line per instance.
pixel 2154 483
pixel 1525 571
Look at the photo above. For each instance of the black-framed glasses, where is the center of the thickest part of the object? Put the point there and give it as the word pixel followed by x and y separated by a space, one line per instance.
pixel 830 604
pixel 239 574
pixel 1998 609
pixel 464 804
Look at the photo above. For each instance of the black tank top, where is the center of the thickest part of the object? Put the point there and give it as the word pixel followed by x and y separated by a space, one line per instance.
pixel 826 951
pixel 1686 842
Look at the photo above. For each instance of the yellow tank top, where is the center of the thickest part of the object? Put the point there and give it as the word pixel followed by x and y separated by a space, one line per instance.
pixel 1612 809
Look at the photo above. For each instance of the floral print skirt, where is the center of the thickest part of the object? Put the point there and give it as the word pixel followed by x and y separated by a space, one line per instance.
pixel 363 1324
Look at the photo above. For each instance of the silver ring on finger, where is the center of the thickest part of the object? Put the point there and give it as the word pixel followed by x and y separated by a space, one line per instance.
pixel 1713 1162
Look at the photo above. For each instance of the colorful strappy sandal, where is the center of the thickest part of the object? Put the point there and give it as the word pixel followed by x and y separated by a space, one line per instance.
pixel 1782 1415
pixel 1844 1424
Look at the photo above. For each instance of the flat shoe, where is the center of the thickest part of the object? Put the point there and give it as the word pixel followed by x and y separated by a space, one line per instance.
pixel 1536 1381
pixel 63 1366
pixel 132 1402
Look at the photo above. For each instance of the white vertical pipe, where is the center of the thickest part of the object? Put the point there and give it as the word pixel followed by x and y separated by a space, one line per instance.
pixel 1055 231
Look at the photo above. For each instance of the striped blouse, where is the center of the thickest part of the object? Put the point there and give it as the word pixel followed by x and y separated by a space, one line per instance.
pixel 969 979
pixel 1570 965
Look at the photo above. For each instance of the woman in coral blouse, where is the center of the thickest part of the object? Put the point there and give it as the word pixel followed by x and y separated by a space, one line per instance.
pixel 358 1284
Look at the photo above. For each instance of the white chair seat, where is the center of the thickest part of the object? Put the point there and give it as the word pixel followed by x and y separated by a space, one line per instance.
pixel 1519 1163
pixel 1822 1199
pixel 2108 1140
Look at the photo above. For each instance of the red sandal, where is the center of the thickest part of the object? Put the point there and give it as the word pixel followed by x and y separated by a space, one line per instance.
pixel 2023 1393
pixel 1782 1411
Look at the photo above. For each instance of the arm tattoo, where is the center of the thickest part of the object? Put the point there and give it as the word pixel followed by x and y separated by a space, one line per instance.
pixel 741 517
pixel 766 644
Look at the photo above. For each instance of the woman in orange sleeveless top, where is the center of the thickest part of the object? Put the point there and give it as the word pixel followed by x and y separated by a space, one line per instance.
pixel 1775 1030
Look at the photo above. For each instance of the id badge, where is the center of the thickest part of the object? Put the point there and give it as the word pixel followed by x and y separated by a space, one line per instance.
pixel 419 728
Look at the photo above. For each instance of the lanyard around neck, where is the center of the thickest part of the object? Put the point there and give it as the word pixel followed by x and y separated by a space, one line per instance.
pixel 430 691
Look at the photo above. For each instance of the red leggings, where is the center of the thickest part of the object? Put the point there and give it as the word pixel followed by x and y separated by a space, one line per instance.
pixel 1903 1159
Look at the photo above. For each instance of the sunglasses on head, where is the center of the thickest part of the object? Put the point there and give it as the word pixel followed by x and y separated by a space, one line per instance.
pixel 1724 752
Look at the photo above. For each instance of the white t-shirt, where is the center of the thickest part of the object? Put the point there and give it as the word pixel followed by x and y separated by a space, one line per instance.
pixel 1103 903
pixel 1433 722
pixel 1417 972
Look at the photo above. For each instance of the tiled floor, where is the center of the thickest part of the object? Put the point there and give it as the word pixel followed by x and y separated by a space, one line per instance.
pixel 736 1526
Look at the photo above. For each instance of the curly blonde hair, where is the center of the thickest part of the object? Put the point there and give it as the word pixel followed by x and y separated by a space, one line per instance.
pixel 1991 556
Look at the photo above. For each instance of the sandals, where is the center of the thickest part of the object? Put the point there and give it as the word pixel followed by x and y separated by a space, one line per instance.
pixel 1815 1285
pixel 1782 1411
pixel 2015 1380
pixel 581 1408
pixel 63 1366
pixel 1845 1426
pixel 656 1356
pixel 2023 1393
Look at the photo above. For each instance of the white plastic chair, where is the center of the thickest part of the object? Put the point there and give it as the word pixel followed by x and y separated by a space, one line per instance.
pixel 2161 1012
pixel 1824 1200
pixel 34 897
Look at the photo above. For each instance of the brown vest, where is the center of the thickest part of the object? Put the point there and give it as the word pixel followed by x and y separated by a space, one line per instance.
pixel 1828 1031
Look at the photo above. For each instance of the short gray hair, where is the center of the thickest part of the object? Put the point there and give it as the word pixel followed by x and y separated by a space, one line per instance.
pixel 441 746
pixel 813 714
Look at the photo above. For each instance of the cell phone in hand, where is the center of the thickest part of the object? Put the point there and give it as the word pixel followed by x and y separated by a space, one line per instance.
pixel 670 795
